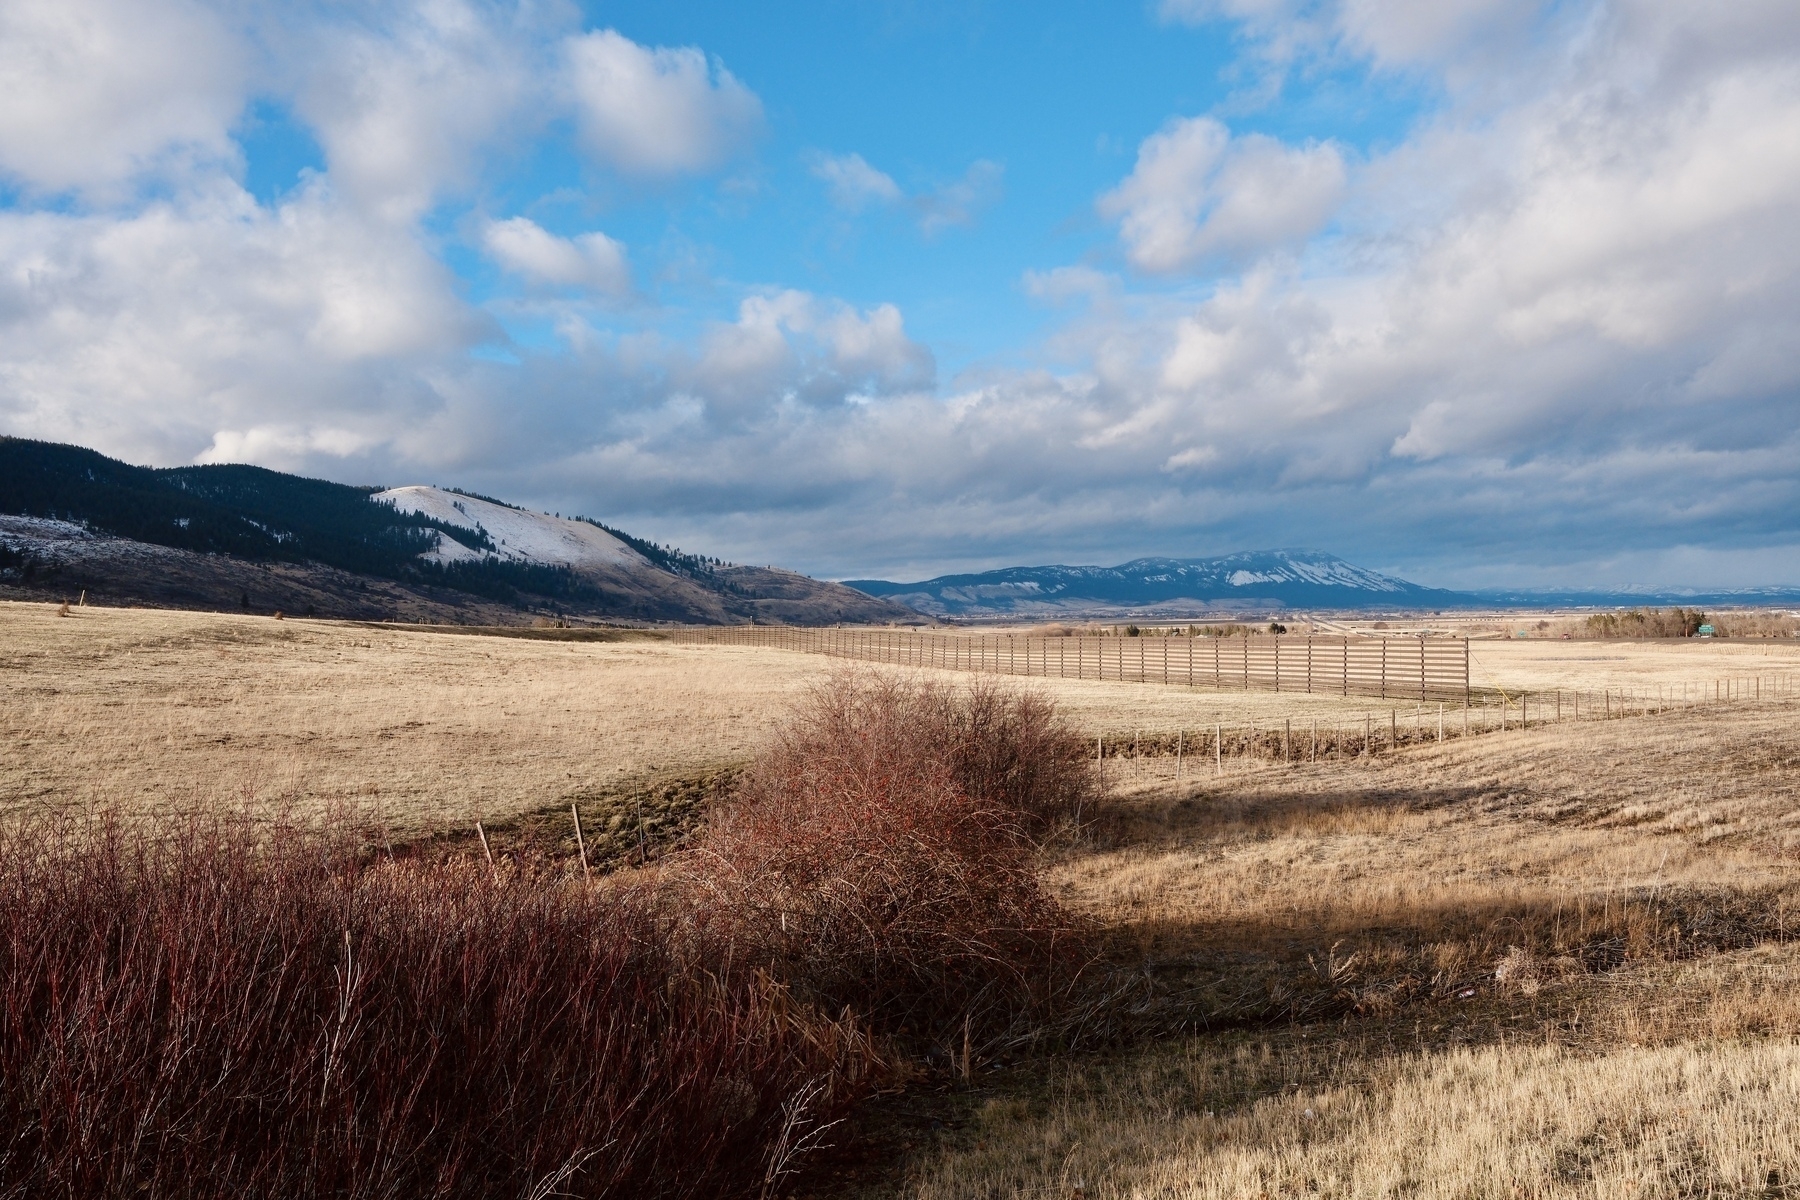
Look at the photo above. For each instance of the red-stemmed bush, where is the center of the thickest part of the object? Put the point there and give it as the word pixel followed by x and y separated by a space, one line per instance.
pixel 880 857
pixel 220 1007
pixel 228 1011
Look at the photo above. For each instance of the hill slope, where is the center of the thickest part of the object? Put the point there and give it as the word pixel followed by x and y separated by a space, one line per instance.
pixel 246 537
pixel 1274 579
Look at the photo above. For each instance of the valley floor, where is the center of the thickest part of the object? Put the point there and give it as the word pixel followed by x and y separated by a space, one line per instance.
pixel 1558 962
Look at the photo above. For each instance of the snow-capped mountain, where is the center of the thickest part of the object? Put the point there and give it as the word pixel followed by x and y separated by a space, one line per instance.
pixel 246 538
pixel 1260 580
pixel 515 534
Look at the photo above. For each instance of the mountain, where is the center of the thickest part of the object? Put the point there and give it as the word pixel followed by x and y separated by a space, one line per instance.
pixel 1265 580
pixel 509 533
pixel 248 538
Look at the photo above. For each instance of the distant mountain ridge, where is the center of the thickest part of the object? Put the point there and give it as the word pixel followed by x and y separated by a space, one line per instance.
pixel 1269 579
pixel 234 536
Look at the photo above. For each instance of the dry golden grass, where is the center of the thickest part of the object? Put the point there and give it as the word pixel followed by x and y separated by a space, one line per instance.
pixel 1549 963
pixel 1553 963
pixel 1526 663
pixel 1214 1120
pixel 161 709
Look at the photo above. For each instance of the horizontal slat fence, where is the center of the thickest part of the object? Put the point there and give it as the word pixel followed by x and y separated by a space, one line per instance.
pixel 1409 668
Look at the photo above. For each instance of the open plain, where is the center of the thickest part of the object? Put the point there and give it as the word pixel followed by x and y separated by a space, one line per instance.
pixel 1552 962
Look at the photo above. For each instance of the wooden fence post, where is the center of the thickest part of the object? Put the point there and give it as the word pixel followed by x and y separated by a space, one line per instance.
pixel 580 844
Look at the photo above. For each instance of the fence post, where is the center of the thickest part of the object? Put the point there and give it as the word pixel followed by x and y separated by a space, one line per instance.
pixel 1384 643
pixel 1421 666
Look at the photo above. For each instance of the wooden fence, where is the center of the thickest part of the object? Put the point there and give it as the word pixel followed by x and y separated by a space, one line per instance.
pixel 1410 668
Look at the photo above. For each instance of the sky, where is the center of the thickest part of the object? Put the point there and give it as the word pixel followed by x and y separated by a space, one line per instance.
pixel 1486 293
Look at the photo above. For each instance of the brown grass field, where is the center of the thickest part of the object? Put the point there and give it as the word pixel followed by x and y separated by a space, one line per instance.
pixel 1550 963
pixel 1556 963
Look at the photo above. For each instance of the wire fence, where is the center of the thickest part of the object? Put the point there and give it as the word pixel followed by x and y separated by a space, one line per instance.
pixel 1312 738
pixel 1433 673
pixel 1414 668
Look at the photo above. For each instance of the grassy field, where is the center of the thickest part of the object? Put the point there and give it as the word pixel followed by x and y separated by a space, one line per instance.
pixel 164 709
pixel 1557 962
pixel 1551 963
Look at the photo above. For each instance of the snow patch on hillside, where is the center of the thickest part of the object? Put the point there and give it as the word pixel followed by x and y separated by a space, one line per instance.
pixel 517 534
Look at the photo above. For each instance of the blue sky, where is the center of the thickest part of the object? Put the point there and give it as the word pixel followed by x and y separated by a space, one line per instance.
pixel 1486 293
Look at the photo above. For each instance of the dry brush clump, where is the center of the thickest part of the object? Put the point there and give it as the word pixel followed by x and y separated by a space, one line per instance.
pixel 226 1005
pixel 218 1009
pixel 882 857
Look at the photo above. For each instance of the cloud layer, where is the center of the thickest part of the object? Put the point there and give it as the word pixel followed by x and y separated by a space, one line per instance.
pixel 1544 337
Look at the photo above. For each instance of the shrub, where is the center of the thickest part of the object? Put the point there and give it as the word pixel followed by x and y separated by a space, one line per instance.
pixel 222 1007
pixel 1647 623
pixel 880 857
pixel 228 1011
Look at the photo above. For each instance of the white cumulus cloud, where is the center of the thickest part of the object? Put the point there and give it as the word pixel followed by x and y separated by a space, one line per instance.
pixel 591 261
pixel 1198 195
pixel 853 183
pixel 96 92
pixel 657 111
